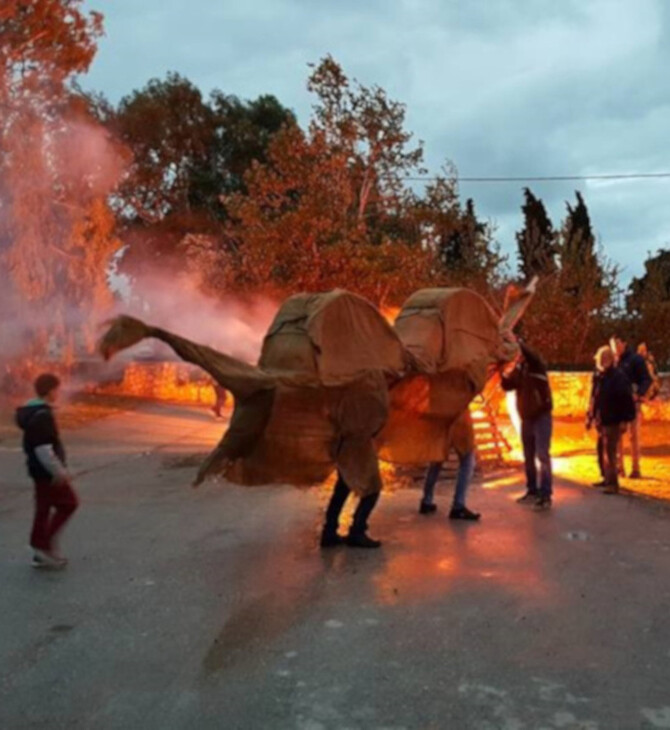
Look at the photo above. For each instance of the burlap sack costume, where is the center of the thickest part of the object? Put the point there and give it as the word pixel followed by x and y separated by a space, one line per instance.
pixel 320 392
pixel 456 340
pixel 314 402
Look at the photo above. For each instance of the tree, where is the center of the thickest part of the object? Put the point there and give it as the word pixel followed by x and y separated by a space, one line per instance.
pixel 536 241
pixel 188 151
pixel 648 302
pixel 171 132
pixel 326 208
pixel 42 44
pixel 581 268
pixel 244 132
pixel 57 168
pixel 468 252
pixel 564 320
pixel 368 129
pixel 188 154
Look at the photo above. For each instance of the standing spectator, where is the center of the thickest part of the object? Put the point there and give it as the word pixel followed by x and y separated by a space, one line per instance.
pixel 220 396
pixel 635 369
pixel 463 441
pixel 55 499
pixel 527 375
pixel 591 417
pixel 613 408
pixel 652 367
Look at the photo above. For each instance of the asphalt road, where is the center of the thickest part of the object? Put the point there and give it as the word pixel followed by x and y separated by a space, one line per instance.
pixel 215 609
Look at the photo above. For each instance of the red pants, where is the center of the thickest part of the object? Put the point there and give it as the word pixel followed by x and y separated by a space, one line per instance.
pixel 54 505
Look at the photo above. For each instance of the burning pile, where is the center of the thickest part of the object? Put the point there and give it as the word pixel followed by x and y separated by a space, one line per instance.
pixel 166 381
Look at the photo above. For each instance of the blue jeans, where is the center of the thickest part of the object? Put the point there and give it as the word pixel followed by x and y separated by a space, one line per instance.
pixel 536 439
pixel 466 468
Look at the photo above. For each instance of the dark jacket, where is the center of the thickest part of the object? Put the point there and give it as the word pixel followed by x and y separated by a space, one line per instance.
pixel 36 420
pixel 635 369
pixel 612 398
pixel 531 382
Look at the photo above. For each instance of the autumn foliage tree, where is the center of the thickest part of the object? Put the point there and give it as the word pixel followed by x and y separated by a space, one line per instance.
pixel 648 302
pixel 187 151
pixel 332 206
pixel 57 167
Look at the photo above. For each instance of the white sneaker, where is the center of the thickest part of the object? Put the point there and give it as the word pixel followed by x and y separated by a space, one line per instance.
pixel 43 559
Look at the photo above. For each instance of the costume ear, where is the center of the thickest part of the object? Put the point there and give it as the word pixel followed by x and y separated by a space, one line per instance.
pixel 516 303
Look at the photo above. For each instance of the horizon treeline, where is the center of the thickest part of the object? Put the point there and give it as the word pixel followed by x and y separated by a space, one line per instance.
pixel 240 197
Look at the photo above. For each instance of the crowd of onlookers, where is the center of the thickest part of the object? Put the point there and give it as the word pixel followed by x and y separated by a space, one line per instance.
pixel 622 381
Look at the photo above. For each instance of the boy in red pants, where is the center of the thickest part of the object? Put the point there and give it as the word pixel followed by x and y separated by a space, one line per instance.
pixel 55 499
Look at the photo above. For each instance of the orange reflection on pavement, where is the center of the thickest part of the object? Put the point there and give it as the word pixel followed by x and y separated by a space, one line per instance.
pixel 429 558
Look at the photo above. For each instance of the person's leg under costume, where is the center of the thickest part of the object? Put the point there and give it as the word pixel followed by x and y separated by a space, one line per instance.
pixel 466 468
pixel 359 526
pixel 339 496
pixel 427 505
pixel 357 533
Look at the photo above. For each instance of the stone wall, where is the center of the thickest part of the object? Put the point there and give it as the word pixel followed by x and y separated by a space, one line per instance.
pixel 177 381
pixel 571 393
pixel 168 381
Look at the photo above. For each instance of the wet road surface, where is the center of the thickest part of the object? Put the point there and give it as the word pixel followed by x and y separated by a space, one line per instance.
pixel 214 608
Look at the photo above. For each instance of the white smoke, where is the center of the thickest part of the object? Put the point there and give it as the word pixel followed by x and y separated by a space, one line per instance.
pixel 173 301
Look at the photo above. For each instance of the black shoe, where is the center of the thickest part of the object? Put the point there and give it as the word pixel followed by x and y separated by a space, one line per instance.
pixel 362 541
pixel 528 498
pixel 331 539
pixel 601 483
pixel 542 503
pixel 427 509
pixel 611 489
pixel 463 513
pixel 635 474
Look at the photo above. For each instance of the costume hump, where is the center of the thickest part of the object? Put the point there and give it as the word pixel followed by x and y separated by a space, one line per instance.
pixel 314 402
pixel 320 392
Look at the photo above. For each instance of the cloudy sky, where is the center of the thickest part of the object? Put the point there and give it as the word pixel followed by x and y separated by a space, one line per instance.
pixel 499 87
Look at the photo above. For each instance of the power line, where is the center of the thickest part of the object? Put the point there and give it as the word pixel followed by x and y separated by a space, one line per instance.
pixel 550 178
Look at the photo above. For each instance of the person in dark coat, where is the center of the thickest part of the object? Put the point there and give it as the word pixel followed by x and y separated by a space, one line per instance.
pixel 55 499
pixel 635 369
pixel 613 408
pixel 528 376
pixel 655 387
pixel 463 443
pixel 596 380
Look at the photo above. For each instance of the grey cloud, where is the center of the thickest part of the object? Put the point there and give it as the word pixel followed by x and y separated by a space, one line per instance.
pixel 501 87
